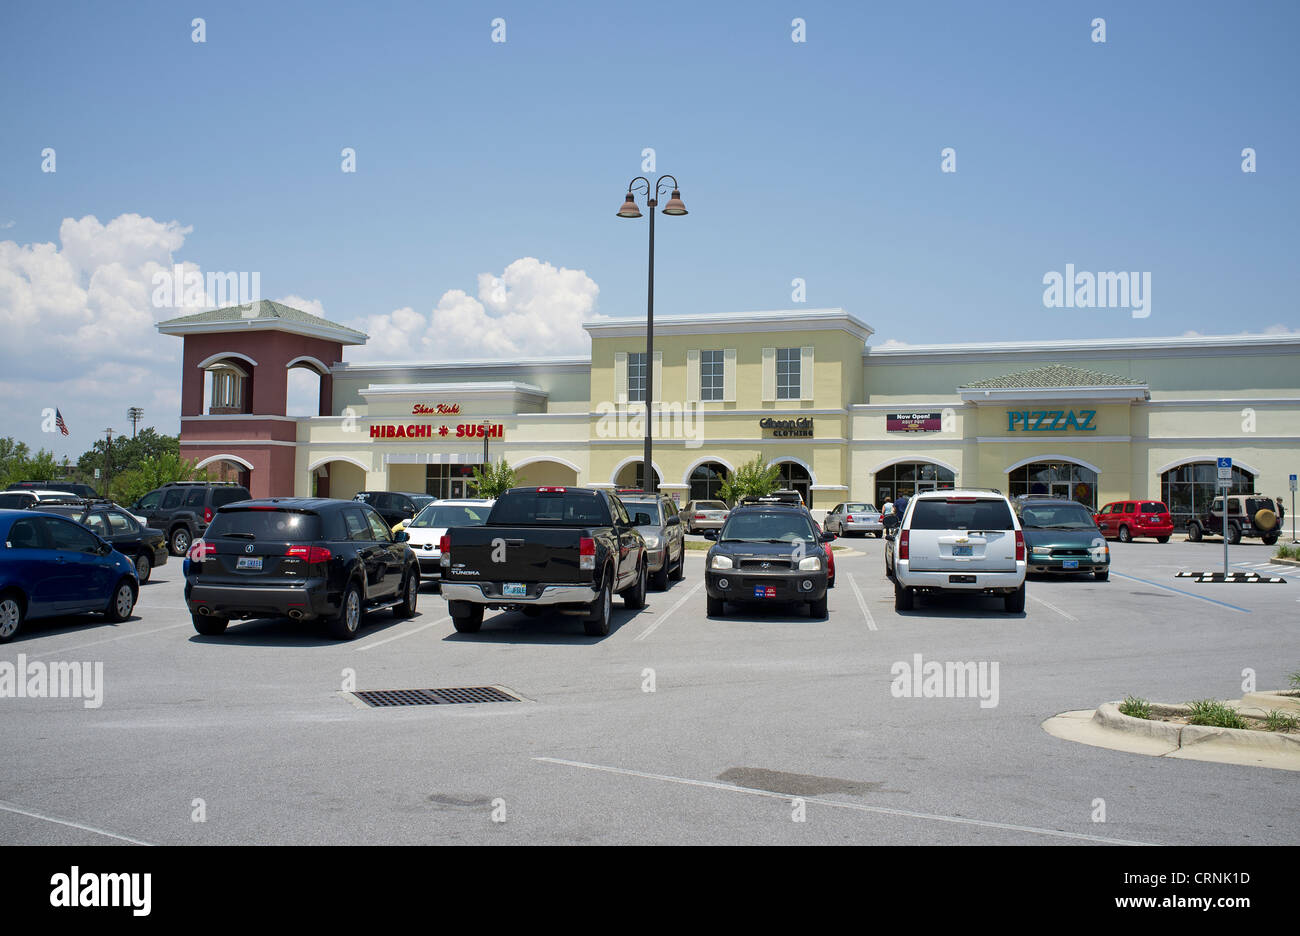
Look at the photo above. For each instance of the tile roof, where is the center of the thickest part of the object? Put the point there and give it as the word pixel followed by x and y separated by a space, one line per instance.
pixel 1053 376
pixel 262 309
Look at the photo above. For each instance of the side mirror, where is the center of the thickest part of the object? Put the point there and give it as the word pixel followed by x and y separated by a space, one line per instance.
pixel 674 521
pixel 401 536
pixel 104 548
pixel 828 537
pixel 711 535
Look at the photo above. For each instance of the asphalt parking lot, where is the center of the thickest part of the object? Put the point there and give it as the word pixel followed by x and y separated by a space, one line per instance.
pixel 252 731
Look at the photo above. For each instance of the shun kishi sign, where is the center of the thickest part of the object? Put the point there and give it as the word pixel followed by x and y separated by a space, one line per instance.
pixel 801 428
pixel 430 431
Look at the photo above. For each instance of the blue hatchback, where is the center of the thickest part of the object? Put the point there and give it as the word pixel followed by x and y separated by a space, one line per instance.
pixel 51 566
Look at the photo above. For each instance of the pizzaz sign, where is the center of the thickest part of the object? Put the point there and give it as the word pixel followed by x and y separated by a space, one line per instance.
pixel 1051 420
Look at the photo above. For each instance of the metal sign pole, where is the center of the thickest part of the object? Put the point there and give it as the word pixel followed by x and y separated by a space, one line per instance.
pixel 1225 531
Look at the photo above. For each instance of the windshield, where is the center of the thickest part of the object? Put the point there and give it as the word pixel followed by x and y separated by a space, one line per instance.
pixel 1057 516
pixel 645 507
pixel 960 513
pixel 441 516
pixel 573 508
pixel 265 524
pixel 422 500
pixel 710 505
pixel 859 508
pixel 763 527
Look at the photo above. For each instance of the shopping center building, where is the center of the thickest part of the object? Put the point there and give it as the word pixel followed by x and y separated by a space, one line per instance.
pixel 1095 419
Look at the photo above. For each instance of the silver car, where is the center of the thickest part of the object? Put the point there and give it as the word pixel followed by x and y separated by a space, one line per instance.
pixel 705 515
pixel 854 519
pixel 657 520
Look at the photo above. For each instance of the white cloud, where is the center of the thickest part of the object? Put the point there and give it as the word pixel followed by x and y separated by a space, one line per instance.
pixel 531 309
pixel 311 306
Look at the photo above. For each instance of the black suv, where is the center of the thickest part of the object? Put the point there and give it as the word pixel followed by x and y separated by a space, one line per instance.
pixel 72 487
pixel 767 553
pixel 183 509
pixel 306 558
pixel 143 545
pixel 395 506
pixel 1248 515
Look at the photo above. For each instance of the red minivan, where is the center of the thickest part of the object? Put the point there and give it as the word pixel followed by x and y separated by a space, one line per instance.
pixel 1126 520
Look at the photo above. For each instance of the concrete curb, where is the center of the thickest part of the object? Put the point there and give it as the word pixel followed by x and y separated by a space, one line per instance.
pixel 1292 562
pixel 1268 699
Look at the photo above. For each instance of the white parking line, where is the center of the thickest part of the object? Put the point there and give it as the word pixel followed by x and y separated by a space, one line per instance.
pixel 10 807
pixel 857 807
pixel 96 643
pixel 663 617
pixel 866 612
pixel 1065 614
pixel 413 630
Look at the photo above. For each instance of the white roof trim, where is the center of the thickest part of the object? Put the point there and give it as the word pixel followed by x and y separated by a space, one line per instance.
pixel 735 323
pixel 494 388
pixel 982 396
pixel 326 332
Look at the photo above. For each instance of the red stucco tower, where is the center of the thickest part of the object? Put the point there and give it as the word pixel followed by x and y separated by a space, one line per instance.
pixel 243 354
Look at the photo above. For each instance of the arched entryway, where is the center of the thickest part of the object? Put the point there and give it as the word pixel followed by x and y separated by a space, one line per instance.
pixel 1188 488
pixel 225 468
pixel 1057 476
pixel 538 472
pixel 629 474
pixel 796 476
pixel 337 477
pixel 907 478
pixel 704 480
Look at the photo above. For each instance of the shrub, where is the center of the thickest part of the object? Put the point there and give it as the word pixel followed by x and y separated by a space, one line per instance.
pixel 1135 707
pixel 1215 714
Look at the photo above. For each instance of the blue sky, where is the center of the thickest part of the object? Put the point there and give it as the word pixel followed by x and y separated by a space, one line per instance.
pixel 818 160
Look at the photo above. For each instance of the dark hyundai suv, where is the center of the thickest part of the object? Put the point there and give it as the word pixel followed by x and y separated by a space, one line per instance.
pixel 306 558
pixel 767 553
pixel 183 509
pixel 395 506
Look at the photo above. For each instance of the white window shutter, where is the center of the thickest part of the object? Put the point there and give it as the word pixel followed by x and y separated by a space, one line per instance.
pixel 806 373
pixel 729 375
pixel 620 377
pixel 658 388
pixel 692 376
pixel 769 375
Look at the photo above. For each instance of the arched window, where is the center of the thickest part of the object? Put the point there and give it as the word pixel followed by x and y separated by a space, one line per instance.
pixel 1057 478
pixel 893 481
pixel 1188 489
pixel 795 477
pixel 633 476
pixel 706 481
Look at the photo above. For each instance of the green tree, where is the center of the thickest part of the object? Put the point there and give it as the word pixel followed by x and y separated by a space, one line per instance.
pixel 152 472
pixel 127 453
pixel 750 479
pixel 494 480
pixel 17 463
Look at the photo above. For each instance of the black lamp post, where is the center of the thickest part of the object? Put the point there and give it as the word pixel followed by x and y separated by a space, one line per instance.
pixel 674 207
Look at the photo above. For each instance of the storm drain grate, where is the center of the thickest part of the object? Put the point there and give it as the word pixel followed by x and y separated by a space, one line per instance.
pixel 384 698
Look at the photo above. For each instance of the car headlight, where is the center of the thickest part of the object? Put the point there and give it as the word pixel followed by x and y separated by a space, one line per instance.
pixel 810 564
pixel 652 542
pixel 1042 550
pixel 720 562
pixel 1100 553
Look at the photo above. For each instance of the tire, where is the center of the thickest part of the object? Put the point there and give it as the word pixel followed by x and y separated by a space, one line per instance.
pixel 410 595
pixel 1234 534
pixel 1124 535
pixel 634 597
pixel 209 625
pixel 1162 539
pixel 1193 532
pixel 143 567
pixel 121 602
pixel 465 617
pixel 1101 575
pixel 904 600
pixel 12 612
pixel 679 572
pixel 1270 540
pixel 818 609
pixel 716 607
pixel 180 541
pixel 346 624
pixel 1014 603
pixel 602 609
pixel 661 577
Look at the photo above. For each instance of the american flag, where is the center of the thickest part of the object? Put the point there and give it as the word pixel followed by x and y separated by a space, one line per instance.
pixel 58 421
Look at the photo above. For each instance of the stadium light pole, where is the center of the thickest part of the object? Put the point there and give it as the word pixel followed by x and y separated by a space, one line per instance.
pixel 673 208
pixel 135 414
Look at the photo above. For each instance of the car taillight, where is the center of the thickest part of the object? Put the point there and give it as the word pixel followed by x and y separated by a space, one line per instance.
pixel 444 549
pixel 902 543
pixel 551 490
pixel 849 518
pixel 1020 546
pixel 586 553
pixel 309 553
pixel 700 517
pixel 207 514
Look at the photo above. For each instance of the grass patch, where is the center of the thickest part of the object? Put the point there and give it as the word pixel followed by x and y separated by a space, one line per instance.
pixel 1294 680
pixel 1215 714
pixel 694 544
pixel 1281 721
pixel 1135 707
pixel 1287 552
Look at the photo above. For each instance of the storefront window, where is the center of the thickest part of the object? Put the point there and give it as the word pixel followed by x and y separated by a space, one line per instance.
pixel 909 478
pixel 632 476
pixel 795 477
pixel 1188 489
pixel 706 481
pixel 1059 479
pixel 444 481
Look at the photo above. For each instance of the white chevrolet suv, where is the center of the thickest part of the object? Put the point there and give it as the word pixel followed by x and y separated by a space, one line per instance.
pixel 957 541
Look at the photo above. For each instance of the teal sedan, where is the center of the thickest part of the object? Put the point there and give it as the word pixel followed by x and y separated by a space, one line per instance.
pixel 1062 536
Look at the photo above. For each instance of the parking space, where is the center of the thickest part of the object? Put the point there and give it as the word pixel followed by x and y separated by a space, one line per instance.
pixel 676 727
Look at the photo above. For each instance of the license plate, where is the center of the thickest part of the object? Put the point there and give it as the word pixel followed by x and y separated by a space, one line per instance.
pixel 961 579
pixel 764 591
pixel 249 562
pixel 515 590
pixel 961 550
pixel 1070 564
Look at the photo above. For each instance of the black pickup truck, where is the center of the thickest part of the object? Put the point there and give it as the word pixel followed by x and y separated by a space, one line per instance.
pixel 554 548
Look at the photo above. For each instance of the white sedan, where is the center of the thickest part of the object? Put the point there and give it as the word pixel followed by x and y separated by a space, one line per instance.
pixel 432 523
pixel 854 519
